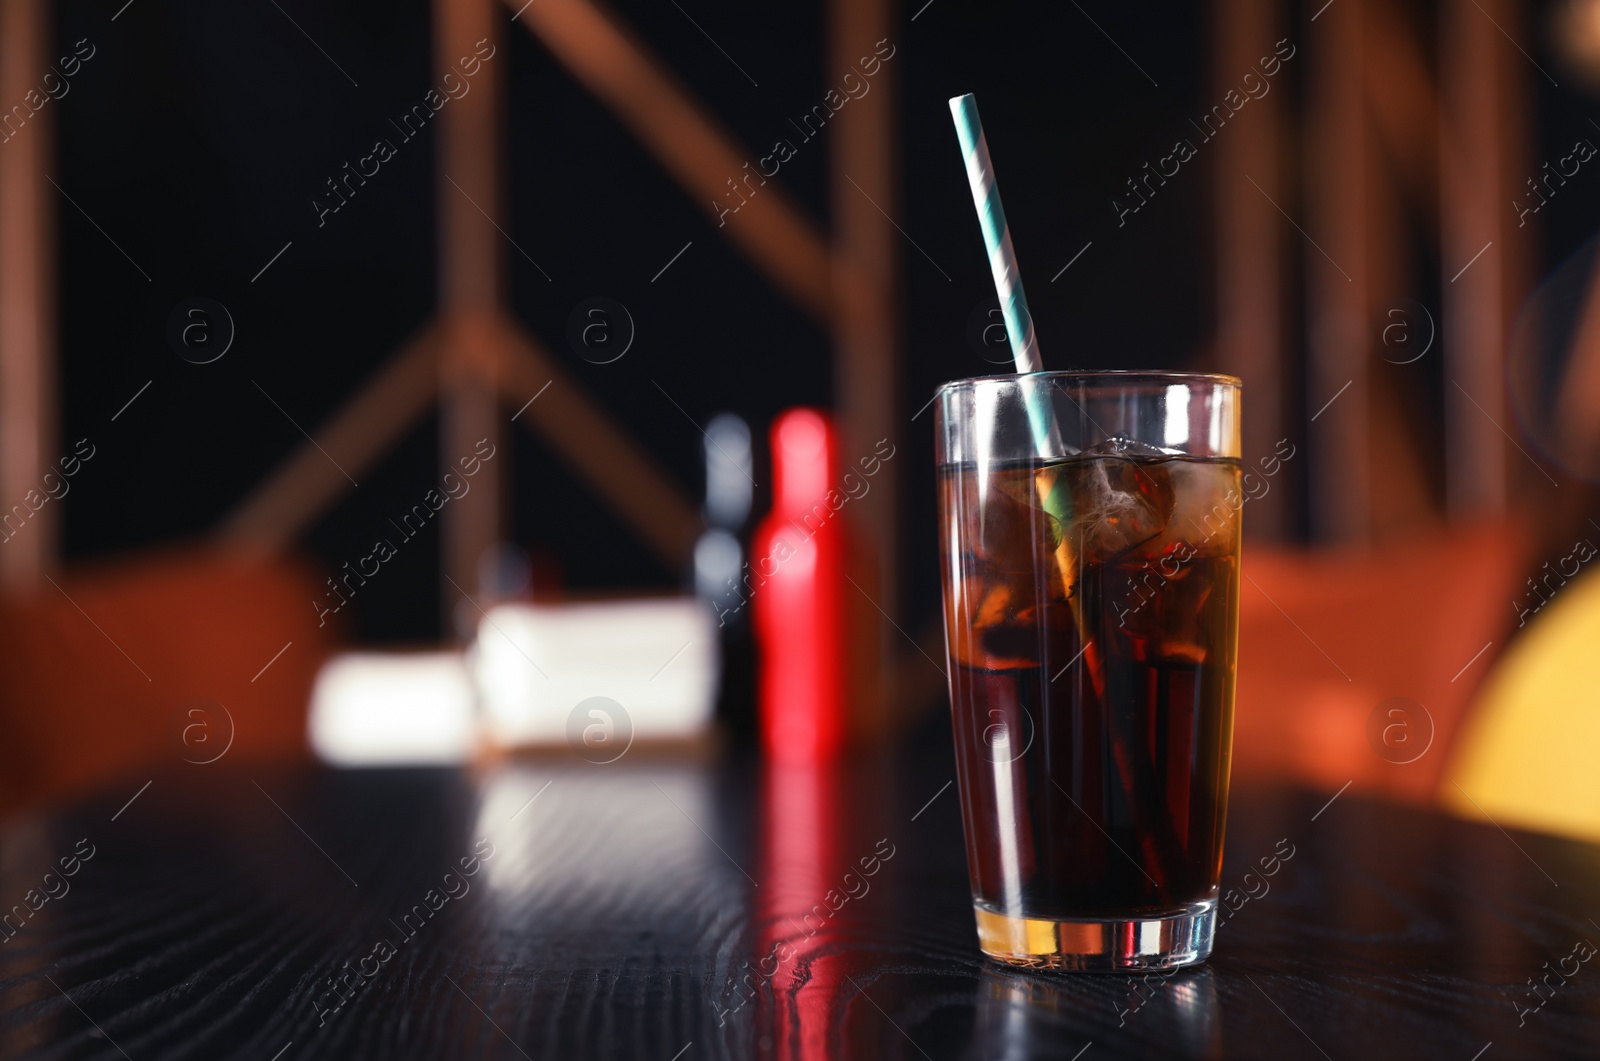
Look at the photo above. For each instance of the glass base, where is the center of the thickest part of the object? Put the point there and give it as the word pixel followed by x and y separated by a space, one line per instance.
pixel 1098 945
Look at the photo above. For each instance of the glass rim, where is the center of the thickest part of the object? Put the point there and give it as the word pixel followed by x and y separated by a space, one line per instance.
pixel 1128 375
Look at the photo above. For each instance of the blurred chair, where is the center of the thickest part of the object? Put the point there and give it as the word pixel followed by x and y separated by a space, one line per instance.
pixel 100 674
pixel 1326 637
pixel 1527 757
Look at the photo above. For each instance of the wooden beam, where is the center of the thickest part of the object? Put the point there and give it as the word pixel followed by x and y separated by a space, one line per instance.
pixel 474 356
pixel 565 417
pixel 1481 98
pixel 27 292
pixel 1250 244
pixel 1577 403
pixel 305 485
pixel 470 422
pixel 592 42
pixel 866 346
pixel 1403 503
pixel 622 473
pixel 1404 109
pixel 471 293
pixel 1340 309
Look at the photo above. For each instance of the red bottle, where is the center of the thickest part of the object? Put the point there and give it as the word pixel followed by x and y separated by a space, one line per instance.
pixel 795 580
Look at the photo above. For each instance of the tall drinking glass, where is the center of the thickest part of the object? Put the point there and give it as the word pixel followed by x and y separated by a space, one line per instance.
pixel 1089 526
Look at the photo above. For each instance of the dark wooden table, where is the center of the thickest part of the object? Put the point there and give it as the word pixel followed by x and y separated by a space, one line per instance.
pixel 652 909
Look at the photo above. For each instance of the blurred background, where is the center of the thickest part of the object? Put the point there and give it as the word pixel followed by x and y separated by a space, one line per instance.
pixel 269 271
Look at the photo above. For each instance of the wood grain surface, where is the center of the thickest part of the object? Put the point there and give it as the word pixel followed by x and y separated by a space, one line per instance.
pixel 653 909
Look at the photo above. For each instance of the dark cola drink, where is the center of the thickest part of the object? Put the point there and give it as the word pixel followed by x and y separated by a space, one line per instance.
pixel 1091 610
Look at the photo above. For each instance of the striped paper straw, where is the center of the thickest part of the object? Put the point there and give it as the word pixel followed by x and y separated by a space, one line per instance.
pixel 1007 280
pixel 996 235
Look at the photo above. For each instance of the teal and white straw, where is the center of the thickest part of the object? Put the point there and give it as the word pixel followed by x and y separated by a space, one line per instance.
pixel 996 235
pixel 1007 280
